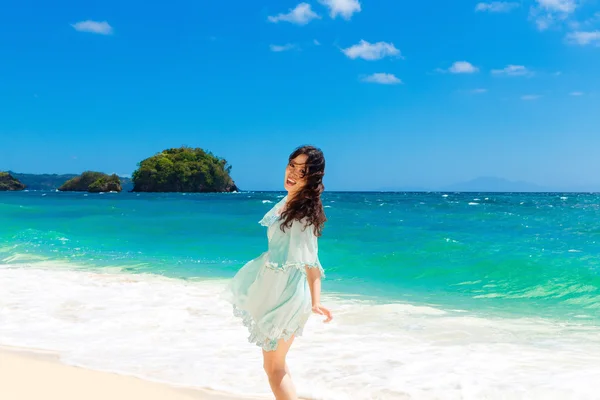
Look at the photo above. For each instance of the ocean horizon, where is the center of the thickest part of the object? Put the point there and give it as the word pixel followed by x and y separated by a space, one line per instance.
pixel 435 294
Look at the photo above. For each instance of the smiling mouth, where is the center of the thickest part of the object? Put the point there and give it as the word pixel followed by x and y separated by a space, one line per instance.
pixel 290 182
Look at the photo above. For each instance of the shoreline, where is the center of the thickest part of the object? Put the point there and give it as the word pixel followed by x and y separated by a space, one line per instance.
pixel 32 374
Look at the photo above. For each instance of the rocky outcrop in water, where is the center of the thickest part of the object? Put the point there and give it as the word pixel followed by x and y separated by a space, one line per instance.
pixel 183 169
pixel 9 183
pixel 91 181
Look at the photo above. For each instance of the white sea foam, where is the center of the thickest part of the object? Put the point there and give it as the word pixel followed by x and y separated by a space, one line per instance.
pixel 266 201
pixel 473 204
pixel 468 283
pixel 444 195
pixel 179 332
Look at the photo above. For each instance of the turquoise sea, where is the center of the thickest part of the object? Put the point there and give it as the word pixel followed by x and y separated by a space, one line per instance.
pixel 436 295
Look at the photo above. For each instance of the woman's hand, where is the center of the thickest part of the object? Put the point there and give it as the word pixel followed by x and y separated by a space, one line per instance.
pixel 319 309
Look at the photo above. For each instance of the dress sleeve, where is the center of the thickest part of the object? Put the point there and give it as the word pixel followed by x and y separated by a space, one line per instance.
pixel 304 248
pixel 273 214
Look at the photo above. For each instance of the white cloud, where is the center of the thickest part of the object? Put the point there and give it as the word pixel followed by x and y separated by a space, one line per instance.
pixel 584 38
pixel 301 15
pixel 513 70
pixel 530 97
pixel 279 48
pixel 382 78
pixel 588 23
pixel 562 6
pixel 463 67
pixel 345 8
pixel 593 20
pixel 544 22
pixel 547 13
pixel 316 42
pixel 370 52
pixel 479 91
pixel 576 94
pixel 101 28
pixel 497 6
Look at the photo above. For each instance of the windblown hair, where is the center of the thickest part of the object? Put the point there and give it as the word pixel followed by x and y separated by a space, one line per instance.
pixel 307 202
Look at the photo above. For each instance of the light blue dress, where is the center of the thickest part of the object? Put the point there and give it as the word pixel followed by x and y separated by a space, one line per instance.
pixel 271 292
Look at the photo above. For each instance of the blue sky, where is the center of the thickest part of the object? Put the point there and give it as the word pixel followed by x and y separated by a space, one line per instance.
pixel 397 94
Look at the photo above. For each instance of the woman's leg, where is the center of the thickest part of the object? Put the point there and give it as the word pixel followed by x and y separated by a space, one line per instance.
pixel 278 372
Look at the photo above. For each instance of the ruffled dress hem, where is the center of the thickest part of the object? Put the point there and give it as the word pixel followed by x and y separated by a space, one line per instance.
pixel 268 342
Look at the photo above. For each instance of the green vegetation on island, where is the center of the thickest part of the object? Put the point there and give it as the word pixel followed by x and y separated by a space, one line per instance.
pixel 54 181
pixel 91 181
pixel 8 182
pixel 183 169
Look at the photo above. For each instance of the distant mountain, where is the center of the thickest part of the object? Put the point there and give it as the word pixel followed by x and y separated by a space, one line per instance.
pixel 493 184
pixel 401 189
pixel 126 184
pixel 42 181
pixel 54 181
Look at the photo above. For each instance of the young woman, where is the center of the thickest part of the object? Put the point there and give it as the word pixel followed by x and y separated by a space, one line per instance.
pixel 275 293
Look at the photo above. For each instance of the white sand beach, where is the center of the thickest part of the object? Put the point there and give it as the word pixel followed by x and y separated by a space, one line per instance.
pixel 38 375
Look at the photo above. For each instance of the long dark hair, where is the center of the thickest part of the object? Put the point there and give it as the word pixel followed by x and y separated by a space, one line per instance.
pixel 307 202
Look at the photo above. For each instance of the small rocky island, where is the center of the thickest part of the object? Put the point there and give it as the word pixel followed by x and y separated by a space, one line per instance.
pixel 183 169
pixel 93 182
pixel 9 183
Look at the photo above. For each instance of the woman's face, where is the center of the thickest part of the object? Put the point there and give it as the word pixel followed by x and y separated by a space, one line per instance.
pixel 295 174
